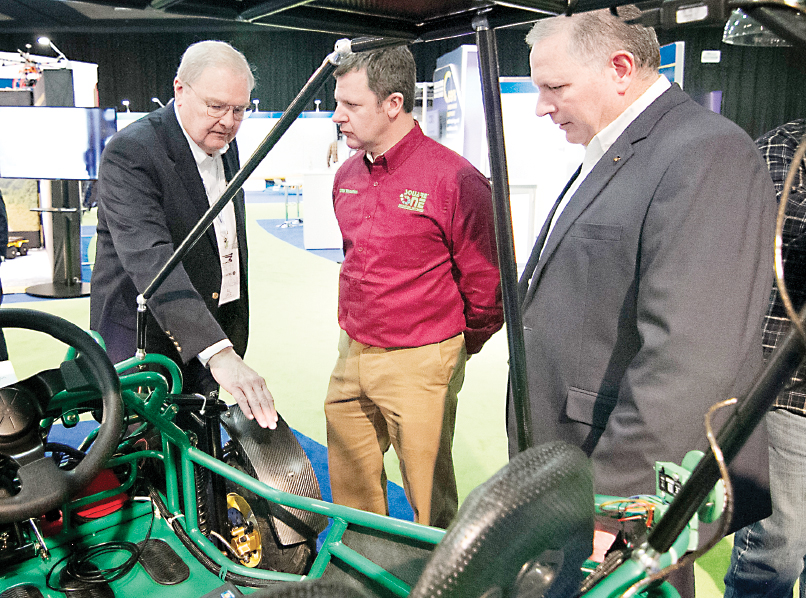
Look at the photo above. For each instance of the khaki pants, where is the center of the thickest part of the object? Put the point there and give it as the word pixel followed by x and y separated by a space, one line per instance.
pixel 403 397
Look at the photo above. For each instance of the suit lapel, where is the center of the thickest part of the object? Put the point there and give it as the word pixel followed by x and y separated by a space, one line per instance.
pixel 600 176
pixel 186 169
pixel 586 193
pixel 230 160
pixel 540 241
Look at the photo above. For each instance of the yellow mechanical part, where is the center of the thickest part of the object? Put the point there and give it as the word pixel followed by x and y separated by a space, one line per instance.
pixel 247 545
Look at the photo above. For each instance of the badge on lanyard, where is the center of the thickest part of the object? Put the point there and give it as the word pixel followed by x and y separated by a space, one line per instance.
pixel 230 276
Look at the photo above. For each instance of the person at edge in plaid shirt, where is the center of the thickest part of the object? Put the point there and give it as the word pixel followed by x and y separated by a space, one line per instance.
pixel 768 556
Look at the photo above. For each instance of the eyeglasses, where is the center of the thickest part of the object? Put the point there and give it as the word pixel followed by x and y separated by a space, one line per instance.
pixel 218 111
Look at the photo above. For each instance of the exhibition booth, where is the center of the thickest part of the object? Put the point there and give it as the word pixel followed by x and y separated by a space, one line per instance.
pixel 53 137
pixel 59 135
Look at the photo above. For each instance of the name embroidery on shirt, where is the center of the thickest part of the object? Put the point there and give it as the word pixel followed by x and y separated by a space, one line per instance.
pixel 413 200
pixel 352 191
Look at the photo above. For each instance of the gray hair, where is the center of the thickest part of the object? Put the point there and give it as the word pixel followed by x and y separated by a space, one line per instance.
pixel 390 70
pixel 210 53
pixel 595 35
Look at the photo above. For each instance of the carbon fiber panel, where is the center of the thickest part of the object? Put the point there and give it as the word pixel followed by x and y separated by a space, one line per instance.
pixel 280 462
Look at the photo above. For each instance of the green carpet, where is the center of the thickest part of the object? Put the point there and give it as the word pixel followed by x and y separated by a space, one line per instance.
pixel 293 341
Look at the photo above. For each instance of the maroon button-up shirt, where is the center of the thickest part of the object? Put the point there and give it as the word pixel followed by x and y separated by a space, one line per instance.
pixel 420 263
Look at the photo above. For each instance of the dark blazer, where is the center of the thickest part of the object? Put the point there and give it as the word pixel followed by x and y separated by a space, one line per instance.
pixel 646 305
pixel 150 195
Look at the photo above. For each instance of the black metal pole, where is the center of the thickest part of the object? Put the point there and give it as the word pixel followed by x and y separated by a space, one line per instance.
pixel 491 94
pixel 212 427
pixel 749 412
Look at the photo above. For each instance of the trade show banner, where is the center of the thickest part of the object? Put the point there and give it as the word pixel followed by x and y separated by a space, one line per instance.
pixel 672 60
pixel 458 103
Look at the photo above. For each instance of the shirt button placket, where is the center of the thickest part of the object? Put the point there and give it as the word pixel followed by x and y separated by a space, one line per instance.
pixel 370 206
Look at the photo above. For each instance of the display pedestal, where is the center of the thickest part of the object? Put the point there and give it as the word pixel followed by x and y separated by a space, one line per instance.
pixel 70 285
pixel 59 290
pixel 286 185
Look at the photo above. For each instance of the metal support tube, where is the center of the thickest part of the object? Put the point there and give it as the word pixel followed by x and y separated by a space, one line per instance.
pixel 142 312
pixel 491 94
pixel 267 9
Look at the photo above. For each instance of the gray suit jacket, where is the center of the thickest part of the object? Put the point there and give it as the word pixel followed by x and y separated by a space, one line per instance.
pixel 646 305
pixel 150 196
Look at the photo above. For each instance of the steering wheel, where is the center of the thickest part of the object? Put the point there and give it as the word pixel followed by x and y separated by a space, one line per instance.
pixel 44 485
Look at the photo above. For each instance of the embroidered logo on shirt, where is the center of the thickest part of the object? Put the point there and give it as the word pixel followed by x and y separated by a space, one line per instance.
pixel 352 191
pixel 413 200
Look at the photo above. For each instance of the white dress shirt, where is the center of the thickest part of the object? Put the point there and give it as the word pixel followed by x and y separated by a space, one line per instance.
pixel 602 141
pixel 211 170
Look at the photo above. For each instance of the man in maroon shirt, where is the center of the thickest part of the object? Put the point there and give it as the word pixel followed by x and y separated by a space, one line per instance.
pixel 419 291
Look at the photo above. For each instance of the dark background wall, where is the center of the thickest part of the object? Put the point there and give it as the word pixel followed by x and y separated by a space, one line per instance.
pixel 762 87
pixel 139 66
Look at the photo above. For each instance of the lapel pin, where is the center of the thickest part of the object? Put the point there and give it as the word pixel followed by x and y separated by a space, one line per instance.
pixel 617 158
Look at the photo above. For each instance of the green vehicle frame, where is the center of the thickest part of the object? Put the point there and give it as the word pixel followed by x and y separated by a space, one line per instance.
pixel 170 515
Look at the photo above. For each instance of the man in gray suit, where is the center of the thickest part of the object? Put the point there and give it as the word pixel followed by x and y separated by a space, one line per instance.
pixel 643 298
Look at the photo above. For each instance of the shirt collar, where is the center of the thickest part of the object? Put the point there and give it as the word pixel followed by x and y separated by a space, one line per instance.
pixel 397 154
pixel 198 153
pixel 602 141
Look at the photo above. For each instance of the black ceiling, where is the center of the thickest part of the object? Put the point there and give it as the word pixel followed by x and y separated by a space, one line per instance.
pixel 53 16
pixel 409 19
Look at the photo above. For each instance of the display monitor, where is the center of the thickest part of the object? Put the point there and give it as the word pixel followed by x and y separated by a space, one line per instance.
pixel 40 142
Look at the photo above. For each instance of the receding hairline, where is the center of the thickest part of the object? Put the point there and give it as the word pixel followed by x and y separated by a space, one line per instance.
pixel 592 36
pixel 214 54
pixel 547 28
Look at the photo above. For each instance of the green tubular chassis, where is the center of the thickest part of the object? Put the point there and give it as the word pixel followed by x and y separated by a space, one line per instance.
pixel 363 548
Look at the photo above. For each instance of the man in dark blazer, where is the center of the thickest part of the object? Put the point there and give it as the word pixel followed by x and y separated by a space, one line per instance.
pixel 643 299
pixel 157 178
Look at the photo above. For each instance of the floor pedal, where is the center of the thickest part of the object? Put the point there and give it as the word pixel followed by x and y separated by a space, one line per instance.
pixel 162 563
pixel 74 588
pixel 22 592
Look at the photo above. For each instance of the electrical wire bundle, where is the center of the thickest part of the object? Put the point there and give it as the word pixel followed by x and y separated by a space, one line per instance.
pixel 634 508
pixel 81 569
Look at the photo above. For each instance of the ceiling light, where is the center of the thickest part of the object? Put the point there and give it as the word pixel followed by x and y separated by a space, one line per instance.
pixel 45 41
pixel 741 30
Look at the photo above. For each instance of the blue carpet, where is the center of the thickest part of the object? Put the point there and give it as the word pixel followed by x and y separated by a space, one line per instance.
pixel 293 235
pixel 271 195
pixel 22 298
